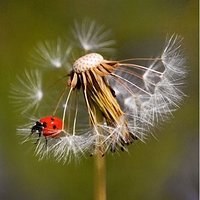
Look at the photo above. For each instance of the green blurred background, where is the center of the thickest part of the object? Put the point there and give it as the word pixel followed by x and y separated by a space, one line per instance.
pixel 161 169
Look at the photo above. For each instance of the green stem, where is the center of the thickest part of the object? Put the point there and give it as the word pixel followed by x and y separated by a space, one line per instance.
pixel 100 177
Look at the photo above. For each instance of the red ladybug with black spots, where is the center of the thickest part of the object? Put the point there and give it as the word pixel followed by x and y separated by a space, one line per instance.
pixel 48 127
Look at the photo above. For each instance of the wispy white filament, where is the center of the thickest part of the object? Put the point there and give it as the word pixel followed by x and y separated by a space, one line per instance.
pixel 27 92
pixel 52 54
pixel 92 37
pixel 151 95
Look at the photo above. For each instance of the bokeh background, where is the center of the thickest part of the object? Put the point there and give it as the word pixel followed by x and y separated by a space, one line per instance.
pixel 162 169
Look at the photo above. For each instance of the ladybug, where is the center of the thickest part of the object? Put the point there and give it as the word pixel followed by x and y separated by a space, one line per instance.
pixel 48 127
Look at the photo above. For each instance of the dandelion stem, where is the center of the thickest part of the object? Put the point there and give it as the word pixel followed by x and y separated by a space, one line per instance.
pixel 100 177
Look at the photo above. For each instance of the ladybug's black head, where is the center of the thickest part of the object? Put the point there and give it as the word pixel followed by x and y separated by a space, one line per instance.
pixel 37 128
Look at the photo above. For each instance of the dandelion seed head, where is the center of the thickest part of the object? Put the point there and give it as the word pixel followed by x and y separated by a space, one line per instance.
pixel 122 100
pixel 87 62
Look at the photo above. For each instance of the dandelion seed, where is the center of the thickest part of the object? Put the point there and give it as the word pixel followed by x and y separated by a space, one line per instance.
pixel 92 37
pixel 52 54
pixel 27 92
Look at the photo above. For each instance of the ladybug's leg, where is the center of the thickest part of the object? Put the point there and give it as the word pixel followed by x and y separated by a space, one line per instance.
pixel 46 142
pixel 39 135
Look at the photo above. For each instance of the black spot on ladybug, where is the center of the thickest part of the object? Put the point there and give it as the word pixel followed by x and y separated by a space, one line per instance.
pixel 52 119
pixel 54 126
pixel 44 125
